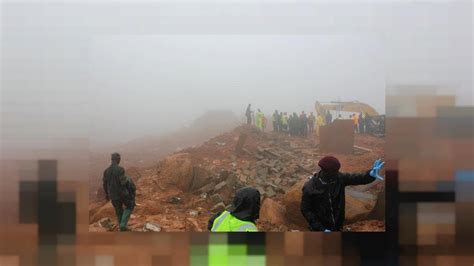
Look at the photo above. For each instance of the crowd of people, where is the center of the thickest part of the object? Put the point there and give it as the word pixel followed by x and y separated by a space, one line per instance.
pixel 302 124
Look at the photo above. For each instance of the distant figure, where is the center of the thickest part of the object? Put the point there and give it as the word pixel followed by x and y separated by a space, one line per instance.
pixel 121 190
pixel 275 121
pixel 264 123
pixel 242 216
pixel 328 118
pixel 355 119
pixel 248 114
pixel 319 123
pixel 362 123
pixel 339 117
pixel 259 119
pixel 284 122
pixel 311 121
pixel 303 124
pixel 323 200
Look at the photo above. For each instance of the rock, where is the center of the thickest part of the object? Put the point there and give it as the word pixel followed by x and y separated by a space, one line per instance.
pixel 274 170
pixel 220 185
pixel 216 198
pixel 174 200
pixel 151 227
pixel 203 196
pixel 277 181
pixel 106 223
pixel 192 225
pixel 219 207
pixel 272 212
pixel 292 202
pixel 207 188
pixel 270 192
pixel 179 170
pixel 193 213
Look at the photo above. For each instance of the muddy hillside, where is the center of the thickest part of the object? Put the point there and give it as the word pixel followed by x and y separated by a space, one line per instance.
pixel 181 191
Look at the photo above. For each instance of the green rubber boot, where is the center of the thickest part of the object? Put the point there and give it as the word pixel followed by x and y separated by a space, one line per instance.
pixel 125 216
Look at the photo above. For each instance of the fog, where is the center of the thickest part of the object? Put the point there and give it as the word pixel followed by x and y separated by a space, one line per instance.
pixel 111 72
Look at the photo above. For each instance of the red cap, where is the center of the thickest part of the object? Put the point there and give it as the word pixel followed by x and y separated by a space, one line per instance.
pixel 330 164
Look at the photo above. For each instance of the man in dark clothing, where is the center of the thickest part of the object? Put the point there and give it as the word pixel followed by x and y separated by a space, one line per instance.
pixel 311 119
pixel 328 118
pixel 248 114
pixel 303 124
pixel 121 190
pixel 242 216
pixel 323 200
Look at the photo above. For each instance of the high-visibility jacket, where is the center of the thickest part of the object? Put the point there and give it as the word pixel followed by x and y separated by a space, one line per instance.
pixel 226 222
pixel 284 120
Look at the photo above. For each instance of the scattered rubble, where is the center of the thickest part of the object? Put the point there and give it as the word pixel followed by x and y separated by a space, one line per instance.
pixel 183 190
pixel 153 227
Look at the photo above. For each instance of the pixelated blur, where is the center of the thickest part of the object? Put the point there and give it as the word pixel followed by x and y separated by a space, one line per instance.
pixel 166 83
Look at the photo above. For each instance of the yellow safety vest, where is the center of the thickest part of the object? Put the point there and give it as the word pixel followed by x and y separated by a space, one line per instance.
pixel 226 222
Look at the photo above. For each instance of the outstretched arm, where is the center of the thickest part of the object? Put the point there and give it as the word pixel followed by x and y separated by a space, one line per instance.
pixel 350 179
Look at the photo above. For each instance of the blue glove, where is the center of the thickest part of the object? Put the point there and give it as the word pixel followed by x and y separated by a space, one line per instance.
pixel 378 164
pixel 327 231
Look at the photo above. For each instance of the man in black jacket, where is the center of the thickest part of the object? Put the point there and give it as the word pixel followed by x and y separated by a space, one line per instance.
pixel 121 190
pixel 323 200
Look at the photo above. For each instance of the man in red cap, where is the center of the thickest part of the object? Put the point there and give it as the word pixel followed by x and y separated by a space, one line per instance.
pixel 323 201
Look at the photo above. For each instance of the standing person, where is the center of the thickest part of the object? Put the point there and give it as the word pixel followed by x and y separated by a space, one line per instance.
pixel 319 123
pixel 248 114
pixel 323 199
pixel 259 119
pixel 120 189
pixel 303 124
pixel 328 118
pixel 264 123
pixel 367 121
pixel 355 119
pixel 311 121
pixel 284 122
pixel 362 123
pixel 275 121
pixel 242 216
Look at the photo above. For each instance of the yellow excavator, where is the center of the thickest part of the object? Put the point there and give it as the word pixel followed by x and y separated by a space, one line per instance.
pixel 375 123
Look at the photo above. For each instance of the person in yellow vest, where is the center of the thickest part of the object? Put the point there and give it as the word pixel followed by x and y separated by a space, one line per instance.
pixel 319 123
pixel 259 119
pixel 242 215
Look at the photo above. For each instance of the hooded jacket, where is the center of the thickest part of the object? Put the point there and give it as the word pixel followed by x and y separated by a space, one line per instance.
pixel 245 206
pixel 323 201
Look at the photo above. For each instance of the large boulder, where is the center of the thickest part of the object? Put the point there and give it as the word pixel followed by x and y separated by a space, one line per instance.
pixel 292 203
pixel 272 212
pixel 101 210
pixel 358 204
pixel 179 170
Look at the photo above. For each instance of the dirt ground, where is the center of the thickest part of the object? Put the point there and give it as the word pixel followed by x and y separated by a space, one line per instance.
pixel 181 192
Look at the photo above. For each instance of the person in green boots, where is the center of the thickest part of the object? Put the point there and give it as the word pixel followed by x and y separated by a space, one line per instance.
pixel 120 189
pixel 242 215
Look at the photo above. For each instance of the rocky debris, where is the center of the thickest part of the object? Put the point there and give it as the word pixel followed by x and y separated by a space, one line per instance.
pixel 174 200
pixel 216 198
pixel 106 223
pixel 207 175
pixel 220 185
pixel 292 203
pixel 272 212
pixel 219 207
pixel 192 225
pixel 193 213
pixel 151 227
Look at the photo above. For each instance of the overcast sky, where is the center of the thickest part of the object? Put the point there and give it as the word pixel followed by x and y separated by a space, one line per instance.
pixel 115 71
